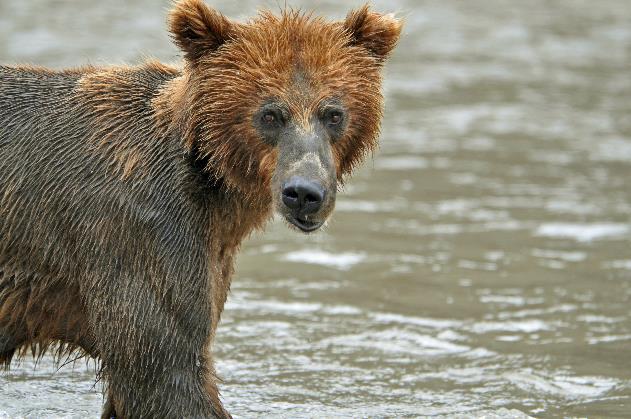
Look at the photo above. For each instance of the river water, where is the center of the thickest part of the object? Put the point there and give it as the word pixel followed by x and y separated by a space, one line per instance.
pixel 479 264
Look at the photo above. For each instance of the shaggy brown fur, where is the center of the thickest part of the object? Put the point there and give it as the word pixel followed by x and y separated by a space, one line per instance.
pixel 125 192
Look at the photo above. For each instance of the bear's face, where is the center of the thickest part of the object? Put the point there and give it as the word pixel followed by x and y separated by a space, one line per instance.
pixel 282 108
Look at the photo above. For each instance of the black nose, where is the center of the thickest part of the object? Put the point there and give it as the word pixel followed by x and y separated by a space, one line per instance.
pixel 303 196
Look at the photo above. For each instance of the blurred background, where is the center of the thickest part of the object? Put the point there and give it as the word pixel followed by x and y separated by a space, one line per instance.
pixel 479 263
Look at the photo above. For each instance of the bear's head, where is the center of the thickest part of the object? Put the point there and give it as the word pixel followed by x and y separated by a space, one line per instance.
pixel 282 108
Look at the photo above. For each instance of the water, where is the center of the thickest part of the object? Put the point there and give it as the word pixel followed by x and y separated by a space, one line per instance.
pixel 479 264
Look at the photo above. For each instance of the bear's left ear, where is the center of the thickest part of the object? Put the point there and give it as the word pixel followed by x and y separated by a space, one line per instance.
pixel 198 29
pixel 376 32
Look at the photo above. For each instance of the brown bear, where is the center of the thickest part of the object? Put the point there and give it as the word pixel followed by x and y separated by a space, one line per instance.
pixel 125 192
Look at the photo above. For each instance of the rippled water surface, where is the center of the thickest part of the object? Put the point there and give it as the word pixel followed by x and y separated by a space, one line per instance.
pixel 479 264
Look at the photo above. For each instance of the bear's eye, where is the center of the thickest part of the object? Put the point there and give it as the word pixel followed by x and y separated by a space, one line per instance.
pixel 333 117
pixel 269 118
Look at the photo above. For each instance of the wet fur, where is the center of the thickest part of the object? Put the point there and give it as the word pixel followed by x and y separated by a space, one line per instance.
pixel 125 193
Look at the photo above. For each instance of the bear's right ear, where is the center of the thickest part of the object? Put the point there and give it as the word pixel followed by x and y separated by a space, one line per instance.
pixel 198 29
pixel 376 32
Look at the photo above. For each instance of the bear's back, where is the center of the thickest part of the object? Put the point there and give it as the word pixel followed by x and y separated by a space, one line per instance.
pixel 65 203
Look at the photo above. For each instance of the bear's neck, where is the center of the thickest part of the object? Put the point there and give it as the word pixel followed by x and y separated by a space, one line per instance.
pixel 234 213
pixel 139 135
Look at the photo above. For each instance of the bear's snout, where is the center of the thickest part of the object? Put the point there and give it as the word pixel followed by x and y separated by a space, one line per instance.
pixel 302 196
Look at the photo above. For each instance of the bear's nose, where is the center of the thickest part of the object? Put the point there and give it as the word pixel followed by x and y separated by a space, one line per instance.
pixel 303 196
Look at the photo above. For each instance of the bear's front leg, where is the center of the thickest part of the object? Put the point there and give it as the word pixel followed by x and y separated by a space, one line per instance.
pixel 108 408
pixel 162 378
pixel 165 394
pixel 155 355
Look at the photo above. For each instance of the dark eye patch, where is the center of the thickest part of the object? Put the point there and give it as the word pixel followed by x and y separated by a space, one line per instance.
pixel 333 116
pixel 270 119
pixel 271 116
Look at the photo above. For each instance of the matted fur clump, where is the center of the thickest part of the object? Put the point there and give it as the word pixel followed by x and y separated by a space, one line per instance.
pixel 125 192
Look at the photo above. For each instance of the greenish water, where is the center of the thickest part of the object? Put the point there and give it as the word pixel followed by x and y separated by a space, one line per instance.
pixel 479 264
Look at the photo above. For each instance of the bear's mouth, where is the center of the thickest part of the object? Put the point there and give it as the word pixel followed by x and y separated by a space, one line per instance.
pixel 305 225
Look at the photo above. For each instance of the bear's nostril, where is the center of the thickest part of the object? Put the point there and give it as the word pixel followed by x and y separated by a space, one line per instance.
pixel 311 198
pixel 291 198
pixel 303 196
